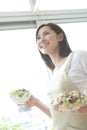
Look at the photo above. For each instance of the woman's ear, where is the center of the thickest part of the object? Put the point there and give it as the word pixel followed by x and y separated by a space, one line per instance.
pixel 60 36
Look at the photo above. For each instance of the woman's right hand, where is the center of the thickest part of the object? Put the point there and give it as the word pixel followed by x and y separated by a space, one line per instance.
pixel 32 101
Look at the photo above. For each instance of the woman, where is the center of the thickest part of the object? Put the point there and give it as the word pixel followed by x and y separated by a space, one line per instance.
pixel 69 72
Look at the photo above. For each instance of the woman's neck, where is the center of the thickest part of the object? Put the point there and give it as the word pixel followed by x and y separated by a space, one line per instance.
pixel 58 61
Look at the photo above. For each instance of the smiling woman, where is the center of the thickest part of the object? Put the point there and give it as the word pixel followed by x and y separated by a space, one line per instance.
pixel 20 64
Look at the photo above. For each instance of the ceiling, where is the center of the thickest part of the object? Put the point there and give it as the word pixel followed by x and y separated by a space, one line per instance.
pixel 32 13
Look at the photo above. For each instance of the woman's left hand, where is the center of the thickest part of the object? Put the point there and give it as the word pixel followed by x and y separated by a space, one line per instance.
pixel 82 109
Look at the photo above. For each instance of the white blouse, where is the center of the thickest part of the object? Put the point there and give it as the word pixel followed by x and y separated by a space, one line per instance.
pixel 78 70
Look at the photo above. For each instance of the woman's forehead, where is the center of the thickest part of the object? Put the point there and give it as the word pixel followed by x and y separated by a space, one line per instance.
pixel 43 29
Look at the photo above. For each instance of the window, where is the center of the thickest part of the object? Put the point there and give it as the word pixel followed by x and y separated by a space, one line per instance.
pixel 21 67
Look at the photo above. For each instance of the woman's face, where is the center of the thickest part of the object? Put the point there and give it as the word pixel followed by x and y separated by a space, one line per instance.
pixel 47 40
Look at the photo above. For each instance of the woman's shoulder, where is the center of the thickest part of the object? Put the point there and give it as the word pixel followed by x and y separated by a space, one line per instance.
pixel 80 54
pixel 80 58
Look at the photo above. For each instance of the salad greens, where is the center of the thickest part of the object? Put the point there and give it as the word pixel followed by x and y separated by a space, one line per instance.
pixel 19 92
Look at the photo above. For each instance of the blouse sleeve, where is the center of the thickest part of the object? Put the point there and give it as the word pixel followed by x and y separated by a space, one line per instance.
pixel 78 70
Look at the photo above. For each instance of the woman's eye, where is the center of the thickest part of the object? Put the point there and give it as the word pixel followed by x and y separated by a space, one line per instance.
pixel 38 37
pixel 45 33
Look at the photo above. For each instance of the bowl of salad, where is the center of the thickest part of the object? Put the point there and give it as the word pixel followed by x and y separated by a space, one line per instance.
pixel 69 101
pixel 19 96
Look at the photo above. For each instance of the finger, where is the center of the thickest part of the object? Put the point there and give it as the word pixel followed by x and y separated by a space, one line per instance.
pixel 20 104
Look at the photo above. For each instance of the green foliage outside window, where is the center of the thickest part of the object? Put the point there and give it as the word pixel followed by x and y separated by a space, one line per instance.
pixel 5 124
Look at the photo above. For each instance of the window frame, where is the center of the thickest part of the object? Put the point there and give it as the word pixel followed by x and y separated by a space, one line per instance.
pixel 32 19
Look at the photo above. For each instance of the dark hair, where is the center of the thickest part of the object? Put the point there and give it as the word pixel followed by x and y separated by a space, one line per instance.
pixel 64 48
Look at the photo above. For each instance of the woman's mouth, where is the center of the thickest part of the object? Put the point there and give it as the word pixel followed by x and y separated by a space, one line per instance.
pixel 44 46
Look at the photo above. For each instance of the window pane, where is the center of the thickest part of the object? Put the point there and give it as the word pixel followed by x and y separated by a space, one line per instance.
pixel 61 4
pixel 14 5
pixel 76 35
pixel 24 5
pixel 20 65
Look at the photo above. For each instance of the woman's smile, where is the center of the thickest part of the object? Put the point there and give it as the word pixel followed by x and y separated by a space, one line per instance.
pixel 44 46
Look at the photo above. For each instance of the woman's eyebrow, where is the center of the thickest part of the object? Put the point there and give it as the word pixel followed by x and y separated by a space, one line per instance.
pixel 43 32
